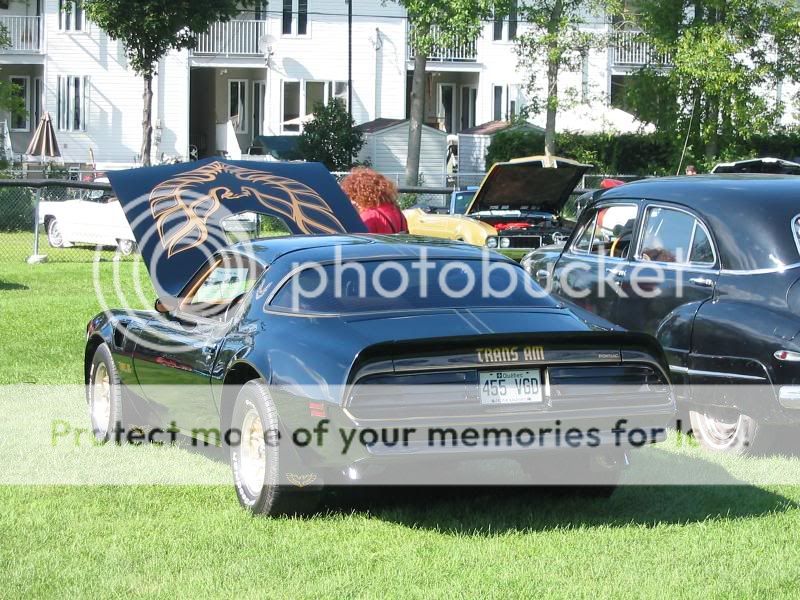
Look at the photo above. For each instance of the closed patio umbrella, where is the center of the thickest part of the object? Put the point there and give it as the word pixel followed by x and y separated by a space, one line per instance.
pixel 44 141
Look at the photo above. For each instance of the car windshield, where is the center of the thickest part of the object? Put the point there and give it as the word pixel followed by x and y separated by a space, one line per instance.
pixel 461 201
pixel 370 286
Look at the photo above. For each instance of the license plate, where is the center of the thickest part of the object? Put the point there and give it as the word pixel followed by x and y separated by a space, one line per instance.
pixel 511 387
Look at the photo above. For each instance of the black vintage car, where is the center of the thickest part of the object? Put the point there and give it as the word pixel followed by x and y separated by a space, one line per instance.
pixel 710 265
pixel 237 348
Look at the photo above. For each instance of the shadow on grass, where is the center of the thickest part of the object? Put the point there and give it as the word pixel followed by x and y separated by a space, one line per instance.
pixel 495 510
pixel 9 286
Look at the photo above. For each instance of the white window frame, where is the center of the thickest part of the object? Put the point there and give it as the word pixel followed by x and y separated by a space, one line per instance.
pixel 37 109
pixel 242 124
pixel 25 81
pixel 329 87
pixel 68 18
pixel 300 104
pixel 330 91
pixel 293 30
pixel 503 102
pixel 441 113
pixel 65 96
pixel 259 106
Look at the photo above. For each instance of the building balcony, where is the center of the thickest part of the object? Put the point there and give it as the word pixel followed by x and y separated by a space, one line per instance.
pixel 631 49
pixel 237 38
pixel 23 35
pixel 464 51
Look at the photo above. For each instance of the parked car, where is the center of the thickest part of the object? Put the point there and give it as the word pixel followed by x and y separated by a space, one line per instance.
pixel 727 310
pixel 516 209
pixel 95 218
pixel 774 166
pixel 254 362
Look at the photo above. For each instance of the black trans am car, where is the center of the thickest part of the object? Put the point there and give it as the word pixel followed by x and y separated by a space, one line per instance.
pixel 235 349
pixel 710 265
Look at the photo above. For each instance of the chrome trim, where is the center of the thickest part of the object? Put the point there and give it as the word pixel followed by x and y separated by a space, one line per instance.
pixel 766 271
pixel 794 232
pixel 687 371
pixel 697 220
pixel 598 207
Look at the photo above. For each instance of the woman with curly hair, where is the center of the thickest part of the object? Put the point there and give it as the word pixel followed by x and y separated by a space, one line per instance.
pixel 375 198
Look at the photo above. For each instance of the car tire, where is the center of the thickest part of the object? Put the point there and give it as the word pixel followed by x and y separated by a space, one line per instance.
pixel 257 459
pixel 731 435
pixel 104 395
pixel 126 247
pixel 54 236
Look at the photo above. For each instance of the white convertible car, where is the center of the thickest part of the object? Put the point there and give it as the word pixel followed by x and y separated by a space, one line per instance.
pixel 96 219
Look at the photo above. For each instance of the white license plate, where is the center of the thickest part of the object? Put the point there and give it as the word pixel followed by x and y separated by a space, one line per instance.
pixel 511 387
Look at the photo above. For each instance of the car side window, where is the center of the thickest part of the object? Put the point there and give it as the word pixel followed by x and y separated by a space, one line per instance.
pixel 674 236
pixel 609 232
pixel 225 281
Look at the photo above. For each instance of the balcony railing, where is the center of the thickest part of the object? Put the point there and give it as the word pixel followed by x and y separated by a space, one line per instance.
pixel 234 38
pixel 23 34
pixel 631 49
pixel 463 51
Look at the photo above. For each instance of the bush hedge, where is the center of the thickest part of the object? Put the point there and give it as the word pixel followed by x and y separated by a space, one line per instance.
pixel 636 154
pixel 16 209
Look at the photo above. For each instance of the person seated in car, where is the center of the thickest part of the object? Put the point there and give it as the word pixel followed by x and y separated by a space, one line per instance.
pixel 375 198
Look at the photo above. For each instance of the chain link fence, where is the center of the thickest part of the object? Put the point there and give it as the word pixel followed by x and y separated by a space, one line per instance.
pixel 31 227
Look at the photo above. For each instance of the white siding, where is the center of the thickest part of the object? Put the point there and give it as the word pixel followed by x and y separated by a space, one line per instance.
pixel 472 153
pixel 386 152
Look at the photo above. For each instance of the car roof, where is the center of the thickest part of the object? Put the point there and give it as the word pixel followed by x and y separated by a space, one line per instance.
pixel 320 248
pixel 750 215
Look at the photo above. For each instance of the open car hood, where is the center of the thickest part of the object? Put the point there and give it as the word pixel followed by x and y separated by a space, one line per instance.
pixel 176 211
pixel 536 183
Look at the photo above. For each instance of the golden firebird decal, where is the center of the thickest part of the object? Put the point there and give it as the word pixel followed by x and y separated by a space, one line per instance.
pixel 180 198
pixel 301 481
pixel 505 354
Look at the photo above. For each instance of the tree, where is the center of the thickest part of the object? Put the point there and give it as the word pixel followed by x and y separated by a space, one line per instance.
pixel 331 137
pixel 149 29
pixel 554 42
pixel 728 57
pixel 437 24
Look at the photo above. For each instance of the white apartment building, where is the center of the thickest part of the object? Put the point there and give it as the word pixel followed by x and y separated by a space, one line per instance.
pixel 264 71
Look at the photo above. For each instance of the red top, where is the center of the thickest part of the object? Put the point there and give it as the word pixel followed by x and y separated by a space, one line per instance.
pixel 385 218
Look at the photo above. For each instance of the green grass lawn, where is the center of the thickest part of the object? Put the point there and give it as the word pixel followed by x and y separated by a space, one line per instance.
pixel 733 541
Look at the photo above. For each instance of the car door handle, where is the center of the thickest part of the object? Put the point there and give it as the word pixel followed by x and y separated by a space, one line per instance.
pixel 702 282
pixel 618 273
pixel 542 274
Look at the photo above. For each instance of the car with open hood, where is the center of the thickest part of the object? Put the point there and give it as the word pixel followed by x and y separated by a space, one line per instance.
pixel 517 208
pixel 287 346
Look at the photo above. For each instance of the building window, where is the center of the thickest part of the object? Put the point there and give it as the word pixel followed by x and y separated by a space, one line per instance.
pixel 260 11
pixel 306 95
pixel 259 103
pixel 500 28
pixel 71 16
pixel 497 90
pixel 302 17
pixel 237 104
pixel 287 17
pixel 72 103
pixel 22 121
pixel 290 24
pixel 38 95
pixel 584 77
pixel 291 106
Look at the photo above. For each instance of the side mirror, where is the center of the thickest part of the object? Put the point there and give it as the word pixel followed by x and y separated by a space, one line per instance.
pixel 164 307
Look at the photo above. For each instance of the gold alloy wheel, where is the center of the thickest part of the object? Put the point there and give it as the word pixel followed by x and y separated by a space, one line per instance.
pixel 253 451
pixel 101 400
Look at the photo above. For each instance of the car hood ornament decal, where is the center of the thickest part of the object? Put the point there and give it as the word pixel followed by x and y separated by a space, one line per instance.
pixel 176 212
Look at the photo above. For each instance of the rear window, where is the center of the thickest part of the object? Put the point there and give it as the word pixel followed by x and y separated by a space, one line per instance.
pixel 408 285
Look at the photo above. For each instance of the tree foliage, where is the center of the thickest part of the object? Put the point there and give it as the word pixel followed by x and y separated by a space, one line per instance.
pixel 556 40
pixel 331 137
pixel 149 29
pixel 728 57
pixel 438 24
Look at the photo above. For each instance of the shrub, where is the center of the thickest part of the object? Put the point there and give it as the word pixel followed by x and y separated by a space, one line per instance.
pixel 16 209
